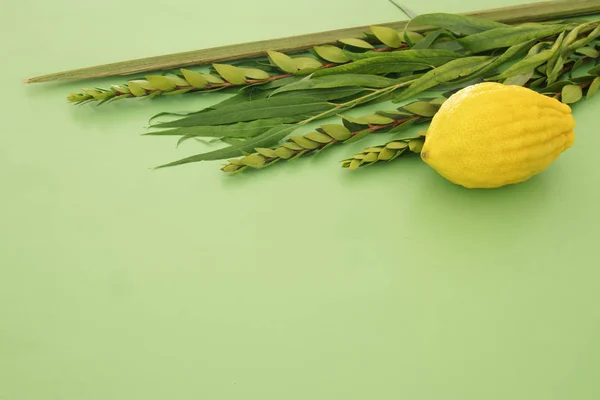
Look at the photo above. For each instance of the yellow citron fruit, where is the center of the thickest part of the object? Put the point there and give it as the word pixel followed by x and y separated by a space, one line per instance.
pixel 489 135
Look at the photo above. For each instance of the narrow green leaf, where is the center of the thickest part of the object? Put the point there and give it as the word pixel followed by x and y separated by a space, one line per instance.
pixel 336 81
pixel 506 37
pixel 304 142
pixel 324 94
pixel 387 36
pixel 240 129
pixel 593 87
pixel 252 110
pixel 526 65
pixel 230 73
pixel 508 55
pixel 358 136
pixel 403 126
pixel 556 71
pixel 283 61
pixel 332 54
pixel 431 37
pixel 571 94
pixel 356 43
pixel 402 61
pixel 519 80
pixel 462 67
pixel 266 139
pixel 460 24
pixel 582 42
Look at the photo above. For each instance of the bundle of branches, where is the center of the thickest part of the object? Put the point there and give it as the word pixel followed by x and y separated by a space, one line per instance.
pixel 279 93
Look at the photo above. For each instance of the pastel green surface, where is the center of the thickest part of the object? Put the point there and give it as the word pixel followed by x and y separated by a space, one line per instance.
pixel 302 281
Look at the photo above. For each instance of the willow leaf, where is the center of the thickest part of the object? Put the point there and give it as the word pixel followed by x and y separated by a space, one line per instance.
pixel 430 38
pixel 526 65
pixel 237 130
pixel 582 42
pixel 506 37
pixel 252 110
pixel 463 67
pixel 404 61
pixel 324 94
pixel 461 24
pixel 266 139
pixel 510 53
pixel 336 81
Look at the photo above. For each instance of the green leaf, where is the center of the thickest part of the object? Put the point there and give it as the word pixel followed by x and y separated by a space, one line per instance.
pixel 254 73
pixel 519 80
pixel 266 139
pixel 324 94
pixel 283 152
pixel 462 67
pixel 411 37
pixel 338 132
pixel 510 53
pixel 402 127
pixel 396 145
pixel 144 84
pixel 582 42
pixel 358 136
pixel 161 82
pixel 252 110
pixel 176 92
pixel 528 64
pixel 332 54
pixel 588 51
pixel 336 81
pixel 571 94
pixel 178 81
pixel 318 137
pixel 304 142
pixel 253 160
pixel 230 73
pixel 387 36
pixel 306 65
pixel 421 108
pixel 375 119
pixel 460 24
pixel 283 61
pixel 556 71
pixel 356 43
pixel 195 79
pixel 595 70
pixel 593 87
pixel 509 36
pixel 136 89
pixel 210 78
pixel 402 61
pixel 431 37
pixel 240 129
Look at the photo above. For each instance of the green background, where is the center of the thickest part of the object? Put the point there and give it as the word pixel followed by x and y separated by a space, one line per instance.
pixel 301 281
